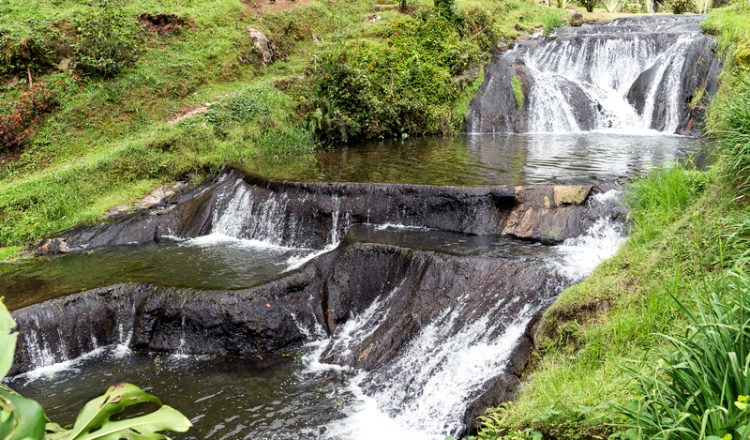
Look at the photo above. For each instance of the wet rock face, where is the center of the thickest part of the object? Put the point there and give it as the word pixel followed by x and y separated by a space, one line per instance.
pixel 700 72
pixel 316 214
pixel 662 67
pixel 398 291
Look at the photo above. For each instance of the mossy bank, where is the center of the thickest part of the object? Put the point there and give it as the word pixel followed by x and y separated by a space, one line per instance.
pixel 103 100
pixel 607 364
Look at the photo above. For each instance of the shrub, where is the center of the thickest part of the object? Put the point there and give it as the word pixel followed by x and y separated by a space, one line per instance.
pixel 37 47
pixel 106 41
pixel 402 87
pixel 590 4
pixel 680 6
pixel 19 120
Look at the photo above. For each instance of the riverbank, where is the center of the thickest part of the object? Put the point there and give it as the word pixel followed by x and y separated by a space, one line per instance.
pixel 689 237
pixel 100 139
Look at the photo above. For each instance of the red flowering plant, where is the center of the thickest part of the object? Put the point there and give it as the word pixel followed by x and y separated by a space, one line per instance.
pixel 20 119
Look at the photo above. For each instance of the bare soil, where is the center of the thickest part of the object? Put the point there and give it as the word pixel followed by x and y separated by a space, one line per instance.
pixel 259 7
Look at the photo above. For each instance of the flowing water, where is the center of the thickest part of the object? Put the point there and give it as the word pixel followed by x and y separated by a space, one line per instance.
pixel 300 397
pixel 423 391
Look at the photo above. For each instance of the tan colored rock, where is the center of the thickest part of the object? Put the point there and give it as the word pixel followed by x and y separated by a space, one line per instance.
pixel 571 195
pixel 262 44
pixel 64 65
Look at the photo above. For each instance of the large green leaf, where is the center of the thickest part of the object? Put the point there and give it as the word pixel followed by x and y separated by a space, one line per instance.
pixel 7 340
pixel 20 418
pixel 94 421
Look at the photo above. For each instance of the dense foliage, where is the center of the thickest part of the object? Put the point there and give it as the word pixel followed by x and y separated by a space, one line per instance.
pixel 20 119
pixel 106 40
pixel 404 85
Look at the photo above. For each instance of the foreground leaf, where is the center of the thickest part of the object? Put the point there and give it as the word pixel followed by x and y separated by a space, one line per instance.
pixel 7 340
pixel 94 421
pixel 20 418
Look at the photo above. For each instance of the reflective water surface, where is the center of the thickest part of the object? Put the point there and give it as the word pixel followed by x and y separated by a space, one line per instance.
pixel 224 398
pixel 475 160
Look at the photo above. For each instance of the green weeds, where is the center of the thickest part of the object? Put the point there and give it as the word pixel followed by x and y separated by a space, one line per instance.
pixel 698 385
pixel 515 83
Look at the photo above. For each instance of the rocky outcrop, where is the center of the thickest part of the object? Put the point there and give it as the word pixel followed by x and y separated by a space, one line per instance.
pixel 263 46
pixel 387 294
pixel 316 214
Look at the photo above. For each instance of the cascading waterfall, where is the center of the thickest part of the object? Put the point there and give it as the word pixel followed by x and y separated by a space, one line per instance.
pixel 416 334
pixel 632 76
pixel 422 394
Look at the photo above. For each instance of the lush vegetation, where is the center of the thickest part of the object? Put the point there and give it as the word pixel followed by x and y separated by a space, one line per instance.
pixel 105 417
pixel 655 343
pixel 92 94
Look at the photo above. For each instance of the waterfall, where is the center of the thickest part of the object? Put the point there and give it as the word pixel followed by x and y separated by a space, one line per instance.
pixel 422 393
pixel 633 76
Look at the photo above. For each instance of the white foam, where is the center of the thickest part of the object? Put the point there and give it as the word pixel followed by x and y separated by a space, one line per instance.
pixel 49 371
pixel 398 227
pixel 365 421
pixel 217 238
pixel 606 197
pixel 578 257
pixel 299 260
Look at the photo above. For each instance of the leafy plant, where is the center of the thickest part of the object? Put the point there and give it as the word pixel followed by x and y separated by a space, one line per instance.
pixel 730 123
pixel 106 41
pixel 589 4
pixel 34 48
pixel 515 83
pixel 702 6
pixel 681 6
pixel 698 388
pixel 403 87
pixel 24 419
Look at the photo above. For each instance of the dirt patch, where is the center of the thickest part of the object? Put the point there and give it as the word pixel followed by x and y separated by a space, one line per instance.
pixel 267 6
pixel 161 24
pixel 188 112
pixel 8 157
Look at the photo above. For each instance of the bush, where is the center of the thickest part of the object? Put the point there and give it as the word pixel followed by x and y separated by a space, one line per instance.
pixel 402 87
pixel 106 41
pixel 590 4
pixel 33 47
pixel 680 6
pixel 19 120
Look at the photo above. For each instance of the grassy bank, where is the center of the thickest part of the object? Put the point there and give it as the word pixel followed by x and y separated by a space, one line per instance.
pixel 605 364
pixel 98 129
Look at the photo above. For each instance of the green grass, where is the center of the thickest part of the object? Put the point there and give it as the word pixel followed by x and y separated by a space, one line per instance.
pixel 603 345
pixel 108 142
pixel 515 83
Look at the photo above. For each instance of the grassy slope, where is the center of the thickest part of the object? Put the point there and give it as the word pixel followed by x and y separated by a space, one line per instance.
pixel 689 226
pixel 108 142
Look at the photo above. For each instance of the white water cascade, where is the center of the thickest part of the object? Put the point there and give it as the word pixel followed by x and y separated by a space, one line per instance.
pixel 422 394
pixel 604 70
pixel 640 75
